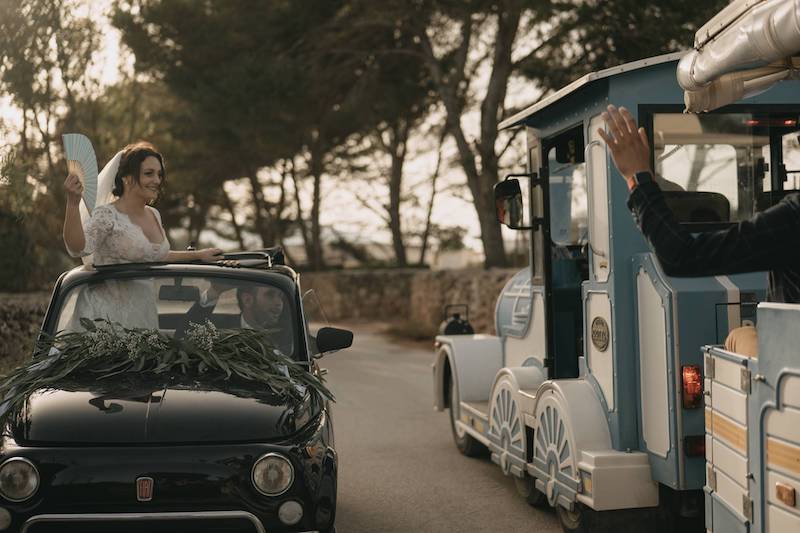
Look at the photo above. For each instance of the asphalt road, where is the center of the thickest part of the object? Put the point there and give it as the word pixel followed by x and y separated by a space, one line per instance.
pixel 399 470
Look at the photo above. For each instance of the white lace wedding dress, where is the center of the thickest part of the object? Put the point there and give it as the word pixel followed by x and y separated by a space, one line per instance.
pixel 112 238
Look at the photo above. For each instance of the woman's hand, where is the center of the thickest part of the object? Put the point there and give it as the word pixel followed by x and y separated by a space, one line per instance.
pixel 209 255
pixel 74 189
pixel 629 147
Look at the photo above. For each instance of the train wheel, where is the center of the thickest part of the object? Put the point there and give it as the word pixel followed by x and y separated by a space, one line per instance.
pixel 526 487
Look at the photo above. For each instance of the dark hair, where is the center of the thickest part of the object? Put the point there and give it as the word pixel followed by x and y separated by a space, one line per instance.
pixel 131 164
pixel 241 291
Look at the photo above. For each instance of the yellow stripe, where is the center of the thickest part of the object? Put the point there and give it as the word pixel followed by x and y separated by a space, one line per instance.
pixel 782 455
pixel 726 430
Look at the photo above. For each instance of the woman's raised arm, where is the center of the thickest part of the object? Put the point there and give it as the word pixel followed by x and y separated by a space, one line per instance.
pixel 74 238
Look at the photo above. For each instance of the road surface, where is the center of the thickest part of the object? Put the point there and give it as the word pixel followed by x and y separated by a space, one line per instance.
pixel 399 470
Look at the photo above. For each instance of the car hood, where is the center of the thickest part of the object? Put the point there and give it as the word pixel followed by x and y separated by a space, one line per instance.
pixel 158 412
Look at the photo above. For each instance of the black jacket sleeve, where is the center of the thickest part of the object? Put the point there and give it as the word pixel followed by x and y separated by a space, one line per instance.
pixel 750 246
pixel 197 314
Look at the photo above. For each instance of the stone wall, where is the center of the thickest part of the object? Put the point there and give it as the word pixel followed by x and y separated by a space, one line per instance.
pixel 20 319
pixel 417 296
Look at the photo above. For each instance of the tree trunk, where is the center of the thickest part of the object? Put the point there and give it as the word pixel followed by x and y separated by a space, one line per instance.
pixel 301 223
pixel 397 149
pixel 427 231
pixel 236 227
pixel 258 210
pixel 317 154
pixel 480 181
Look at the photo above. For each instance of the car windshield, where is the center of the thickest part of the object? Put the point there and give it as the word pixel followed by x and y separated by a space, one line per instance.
pixel 172 304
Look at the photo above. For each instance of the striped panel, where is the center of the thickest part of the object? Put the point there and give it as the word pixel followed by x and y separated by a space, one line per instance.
pixel 784 424
pixel 709 448
pixel 728 461
pixel 731 493
pixel 783 457
pixel 730 432
pixel 780 521
pixel 729 402
pixel 790 391
pixel 728 372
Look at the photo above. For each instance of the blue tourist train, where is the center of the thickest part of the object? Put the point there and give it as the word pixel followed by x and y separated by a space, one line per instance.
pixel 605 392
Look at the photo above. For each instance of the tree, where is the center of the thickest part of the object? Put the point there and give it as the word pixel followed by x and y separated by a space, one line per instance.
pixel 264 89
pixel 578 37
pixel 446 36
pixel 45 52
pixel 395 96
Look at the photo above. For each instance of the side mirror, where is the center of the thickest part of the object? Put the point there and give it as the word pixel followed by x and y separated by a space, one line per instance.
pixel 508 204
pixel 332 339
pixel 179 293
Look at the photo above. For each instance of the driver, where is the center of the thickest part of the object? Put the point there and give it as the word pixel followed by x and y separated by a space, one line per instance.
pixel 261 307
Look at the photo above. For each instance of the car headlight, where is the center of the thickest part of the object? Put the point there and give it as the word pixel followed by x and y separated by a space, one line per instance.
pixel 273 474
pixel 19 479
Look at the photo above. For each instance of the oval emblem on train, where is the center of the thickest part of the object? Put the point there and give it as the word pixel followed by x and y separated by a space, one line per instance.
pixel 600 334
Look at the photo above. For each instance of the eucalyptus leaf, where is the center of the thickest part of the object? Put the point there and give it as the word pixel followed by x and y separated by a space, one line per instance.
pixel 247 354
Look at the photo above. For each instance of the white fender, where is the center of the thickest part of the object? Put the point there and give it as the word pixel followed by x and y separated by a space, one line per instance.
pixel 525 379
pixel 568 418
pixel 572 439
pixel 584 414
pixel 474 361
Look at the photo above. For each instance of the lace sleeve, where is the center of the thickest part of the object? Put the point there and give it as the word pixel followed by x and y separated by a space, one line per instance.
pixel 98 227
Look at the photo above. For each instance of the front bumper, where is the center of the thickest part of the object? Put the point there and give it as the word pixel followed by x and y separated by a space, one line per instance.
pixel 202 487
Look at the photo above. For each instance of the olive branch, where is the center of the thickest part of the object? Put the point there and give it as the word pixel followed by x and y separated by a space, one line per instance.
pixel 107 349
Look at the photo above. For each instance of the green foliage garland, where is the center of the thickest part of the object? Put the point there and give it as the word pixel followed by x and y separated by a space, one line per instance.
pixel 107 349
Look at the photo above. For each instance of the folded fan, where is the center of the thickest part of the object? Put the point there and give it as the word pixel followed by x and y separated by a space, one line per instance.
pixel 82 161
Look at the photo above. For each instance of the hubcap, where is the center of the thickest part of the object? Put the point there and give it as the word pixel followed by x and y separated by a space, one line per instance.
pixel 552 450
pixel 505 425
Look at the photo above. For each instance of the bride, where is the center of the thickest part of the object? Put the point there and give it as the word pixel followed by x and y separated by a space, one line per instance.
pixel 122 228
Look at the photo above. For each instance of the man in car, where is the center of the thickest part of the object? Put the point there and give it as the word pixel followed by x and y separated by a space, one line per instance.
pixel 261 308
pixel 767 241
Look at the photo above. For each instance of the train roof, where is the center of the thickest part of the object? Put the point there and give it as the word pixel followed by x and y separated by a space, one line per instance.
pixel 520 117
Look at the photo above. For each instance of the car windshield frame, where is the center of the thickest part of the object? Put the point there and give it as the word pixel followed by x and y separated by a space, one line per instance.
pixel 80 277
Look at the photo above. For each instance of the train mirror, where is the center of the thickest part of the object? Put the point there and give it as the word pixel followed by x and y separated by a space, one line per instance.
pixel 508 204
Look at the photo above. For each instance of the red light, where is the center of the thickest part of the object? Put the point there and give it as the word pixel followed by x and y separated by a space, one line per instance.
pixel 789 122
pixel 692 387
pixel 694 446
pixel 751 122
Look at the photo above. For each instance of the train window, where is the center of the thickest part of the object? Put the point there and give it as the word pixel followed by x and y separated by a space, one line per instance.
pixel 706 165
pixel 724 167
pixel 568 198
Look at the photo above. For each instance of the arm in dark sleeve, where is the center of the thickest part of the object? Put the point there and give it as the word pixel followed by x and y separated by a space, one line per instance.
pixel 197 314
pixel 749 246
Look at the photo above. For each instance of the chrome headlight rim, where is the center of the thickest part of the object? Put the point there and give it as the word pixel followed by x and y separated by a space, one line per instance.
pixel 36 474
pixel 263 458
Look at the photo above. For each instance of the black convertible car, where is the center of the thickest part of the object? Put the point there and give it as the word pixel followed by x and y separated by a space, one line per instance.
pixel 176 452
